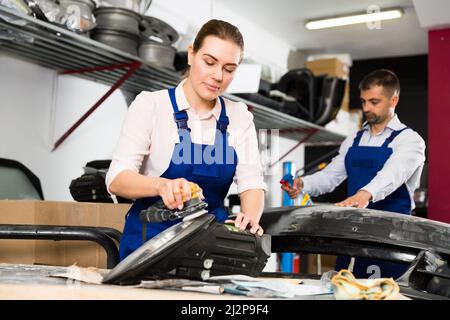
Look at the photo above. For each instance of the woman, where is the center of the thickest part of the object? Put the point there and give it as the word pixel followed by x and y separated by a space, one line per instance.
pixel 190 134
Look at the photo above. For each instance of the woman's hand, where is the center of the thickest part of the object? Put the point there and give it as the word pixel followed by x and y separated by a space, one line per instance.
pixel 173 191
pixel 242 221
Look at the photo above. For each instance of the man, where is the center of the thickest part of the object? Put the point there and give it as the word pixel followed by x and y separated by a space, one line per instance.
pixel 382 162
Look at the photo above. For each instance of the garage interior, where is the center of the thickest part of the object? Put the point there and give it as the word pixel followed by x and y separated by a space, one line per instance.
pixel 68 78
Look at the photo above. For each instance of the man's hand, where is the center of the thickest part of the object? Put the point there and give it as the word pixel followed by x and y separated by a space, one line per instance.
pixel 296 188
pixel 359 200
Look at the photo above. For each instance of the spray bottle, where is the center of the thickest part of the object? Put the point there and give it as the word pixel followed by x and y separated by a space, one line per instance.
pixel 303 198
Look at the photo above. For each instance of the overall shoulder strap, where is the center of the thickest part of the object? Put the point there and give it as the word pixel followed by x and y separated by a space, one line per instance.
pixel 393 135
pixel 180 117
pixel 222 123
pixel 358 138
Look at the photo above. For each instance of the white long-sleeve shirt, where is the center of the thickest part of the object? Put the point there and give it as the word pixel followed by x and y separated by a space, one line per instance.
pixel 149 134
pixel 403 166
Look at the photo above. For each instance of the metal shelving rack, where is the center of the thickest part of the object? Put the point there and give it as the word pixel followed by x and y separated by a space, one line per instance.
pixel 67 52
pixel 289 126
pixel 62 50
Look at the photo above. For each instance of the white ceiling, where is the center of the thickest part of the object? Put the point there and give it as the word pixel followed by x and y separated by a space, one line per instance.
pixel 286 18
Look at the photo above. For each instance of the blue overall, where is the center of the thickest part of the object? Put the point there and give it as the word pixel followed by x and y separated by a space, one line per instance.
pixel 362 164
pixel 212 167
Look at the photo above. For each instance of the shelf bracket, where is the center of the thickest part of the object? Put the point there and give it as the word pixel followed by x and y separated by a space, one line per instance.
pixel 309 134
pixel 131 66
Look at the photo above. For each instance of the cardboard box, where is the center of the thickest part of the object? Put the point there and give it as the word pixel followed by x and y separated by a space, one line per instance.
pixel 332 67
pixel 60 253
pixel 328 262
pixel 346 100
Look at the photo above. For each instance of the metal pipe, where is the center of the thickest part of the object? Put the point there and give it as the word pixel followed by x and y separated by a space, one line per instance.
pixel 130 71
pixel 309 135
pixel 102 236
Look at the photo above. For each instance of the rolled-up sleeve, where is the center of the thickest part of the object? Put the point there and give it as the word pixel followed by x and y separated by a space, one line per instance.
pixel 249 172
pixel 135 137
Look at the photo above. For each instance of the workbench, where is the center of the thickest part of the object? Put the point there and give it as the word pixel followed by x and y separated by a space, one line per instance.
pixel 30 282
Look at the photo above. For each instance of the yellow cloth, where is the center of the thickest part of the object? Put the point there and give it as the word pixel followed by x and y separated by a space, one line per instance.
pixel 346 287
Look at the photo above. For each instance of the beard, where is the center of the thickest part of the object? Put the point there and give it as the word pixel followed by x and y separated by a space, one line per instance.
pixel 372 118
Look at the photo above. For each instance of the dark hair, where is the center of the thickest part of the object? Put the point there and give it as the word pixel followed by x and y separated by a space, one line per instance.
pixel 384 78
pixel 220 29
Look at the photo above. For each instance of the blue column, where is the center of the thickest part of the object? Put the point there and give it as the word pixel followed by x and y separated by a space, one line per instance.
pixel 287 258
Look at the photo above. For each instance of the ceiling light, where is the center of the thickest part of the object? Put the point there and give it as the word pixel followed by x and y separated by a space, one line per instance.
pixel 354 19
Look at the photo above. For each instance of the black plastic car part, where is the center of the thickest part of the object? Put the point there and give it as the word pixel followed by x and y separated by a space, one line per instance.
pixel 300 84
pixel 428 277
pixel 194 249
pixel 32 178
pixel 368 233
pixel 91 187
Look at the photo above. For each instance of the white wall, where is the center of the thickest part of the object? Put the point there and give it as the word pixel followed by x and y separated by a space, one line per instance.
pixel 432 14
pixel 188 16
pixel 27 129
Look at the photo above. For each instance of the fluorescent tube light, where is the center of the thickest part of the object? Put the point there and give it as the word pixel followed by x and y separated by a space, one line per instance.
pixel 353 19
